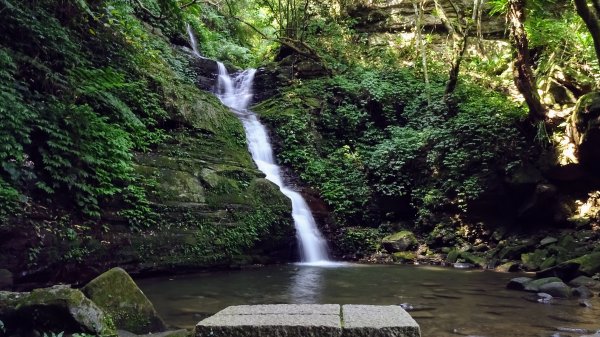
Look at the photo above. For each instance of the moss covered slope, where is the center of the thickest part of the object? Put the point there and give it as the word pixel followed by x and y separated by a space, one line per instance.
pixel 111 154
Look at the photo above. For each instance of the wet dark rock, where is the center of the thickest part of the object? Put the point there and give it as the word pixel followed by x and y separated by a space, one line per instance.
pixel 556 289
pixel 585 281
pixel 544 298
pixel 518 283
pixel 583 292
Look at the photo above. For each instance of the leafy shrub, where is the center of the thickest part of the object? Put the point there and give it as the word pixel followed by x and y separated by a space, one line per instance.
pixel 373 145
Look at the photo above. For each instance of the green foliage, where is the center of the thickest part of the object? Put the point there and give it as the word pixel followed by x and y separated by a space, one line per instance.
pixel 82 87
pixel 375 148
pixel 360 241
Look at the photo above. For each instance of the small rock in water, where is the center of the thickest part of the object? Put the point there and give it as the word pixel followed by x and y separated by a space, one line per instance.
pixel 573 330
pixel 462 265
pixel 544 298
pixel 585 303
pixel 407 306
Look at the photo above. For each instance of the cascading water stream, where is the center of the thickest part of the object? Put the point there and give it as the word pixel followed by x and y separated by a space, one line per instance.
pixel 193 41
pixel 236 93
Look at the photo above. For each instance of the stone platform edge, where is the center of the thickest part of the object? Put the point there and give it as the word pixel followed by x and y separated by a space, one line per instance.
pixel 309 320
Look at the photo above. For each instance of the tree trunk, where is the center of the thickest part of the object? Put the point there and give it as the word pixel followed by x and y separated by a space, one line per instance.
pixel 419 8
pixel 591 21
pixel 522 72
pixel 455 69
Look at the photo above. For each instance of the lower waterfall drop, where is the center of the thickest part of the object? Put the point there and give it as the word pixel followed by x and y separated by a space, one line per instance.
pixel 236 93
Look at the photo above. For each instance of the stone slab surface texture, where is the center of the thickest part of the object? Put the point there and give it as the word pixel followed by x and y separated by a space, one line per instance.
pixel 292 309
pixel 378 321
pixel 309 320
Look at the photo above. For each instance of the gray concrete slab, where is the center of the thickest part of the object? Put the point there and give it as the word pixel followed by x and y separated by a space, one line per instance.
pixel 378 321
pixel 291 309
pixel 310 320
pixel 273 321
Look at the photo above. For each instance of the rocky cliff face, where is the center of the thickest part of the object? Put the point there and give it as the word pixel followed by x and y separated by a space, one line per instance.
pixel 210 207
pixel 395 16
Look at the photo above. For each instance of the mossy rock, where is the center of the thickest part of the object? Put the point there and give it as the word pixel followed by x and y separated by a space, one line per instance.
pixel 399 242
pixel 534 286
pixel 453 256
pixel 404 256
pixel 585 129
pixel 117 294
pixel 58 308
pixel 472 258
pixel 588 264
pixel 533 261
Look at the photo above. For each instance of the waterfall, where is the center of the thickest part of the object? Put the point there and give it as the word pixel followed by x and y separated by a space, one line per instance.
pixel 193 41
pixel 236 93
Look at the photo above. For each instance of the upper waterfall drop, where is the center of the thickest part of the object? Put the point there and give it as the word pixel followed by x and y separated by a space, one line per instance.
pixel 236 93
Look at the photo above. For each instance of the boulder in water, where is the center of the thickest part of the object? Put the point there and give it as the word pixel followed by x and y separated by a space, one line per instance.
pixel 585 281
pixel 586 265
pixel 556 289
pixel 519 283
pixel 117 294
pixel 583 292
pixel 58 308
pixel 534 286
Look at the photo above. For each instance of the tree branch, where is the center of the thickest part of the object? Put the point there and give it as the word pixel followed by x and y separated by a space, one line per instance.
pixel 147 11
pixel 591 21
pixel 292 44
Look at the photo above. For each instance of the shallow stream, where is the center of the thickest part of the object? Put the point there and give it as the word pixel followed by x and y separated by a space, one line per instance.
pixel 446 302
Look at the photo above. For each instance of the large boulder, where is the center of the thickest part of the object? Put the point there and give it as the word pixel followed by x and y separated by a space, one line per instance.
pixel 399 242
pixel 586 265
pixel 556 289
pixel 584 129
pixel 117 294
pixel 56 309
pixel 535 285
pixel 519 283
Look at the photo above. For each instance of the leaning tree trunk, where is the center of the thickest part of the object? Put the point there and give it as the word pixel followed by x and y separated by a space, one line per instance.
pixel 461 49
pixel 523 74
pixel 591 21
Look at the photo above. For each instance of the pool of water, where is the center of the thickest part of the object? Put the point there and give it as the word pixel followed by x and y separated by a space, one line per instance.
pixel 446 302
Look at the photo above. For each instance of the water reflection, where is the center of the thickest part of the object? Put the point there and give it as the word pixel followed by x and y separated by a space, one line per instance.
pixel 447 302
pixel 306 285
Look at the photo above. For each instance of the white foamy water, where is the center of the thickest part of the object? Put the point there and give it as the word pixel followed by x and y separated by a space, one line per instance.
pixel 236 93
